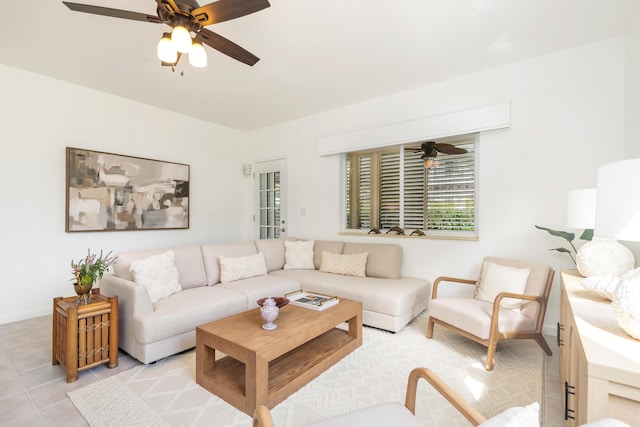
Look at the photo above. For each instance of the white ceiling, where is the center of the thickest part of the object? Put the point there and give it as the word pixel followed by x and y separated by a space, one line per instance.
pixel 316 55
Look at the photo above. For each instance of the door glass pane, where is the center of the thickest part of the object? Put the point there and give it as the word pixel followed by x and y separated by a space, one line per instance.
pixel 270 205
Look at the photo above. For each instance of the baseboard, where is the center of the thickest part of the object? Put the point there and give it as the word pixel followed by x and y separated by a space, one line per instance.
pixel 24 316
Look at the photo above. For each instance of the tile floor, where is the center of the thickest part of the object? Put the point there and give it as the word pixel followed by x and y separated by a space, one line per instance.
pixel 33 392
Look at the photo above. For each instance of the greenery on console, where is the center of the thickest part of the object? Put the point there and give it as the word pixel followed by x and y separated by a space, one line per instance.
pixel 586 235
pixel 92 267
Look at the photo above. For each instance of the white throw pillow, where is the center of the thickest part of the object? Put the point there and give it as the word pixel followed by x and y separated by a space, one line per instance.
pixel 299 255
pixel 498 278
pixel 158 274
pixel 242 267
pixel 518 416
pixel 347 264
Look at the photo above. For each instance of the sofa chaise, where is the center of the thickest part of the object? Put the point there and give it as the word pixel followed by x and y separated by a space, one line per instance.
pixel 213 284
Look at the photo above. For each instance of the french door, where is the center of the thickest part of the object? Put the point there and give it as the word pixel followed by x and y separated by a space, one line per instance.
pixel 270 189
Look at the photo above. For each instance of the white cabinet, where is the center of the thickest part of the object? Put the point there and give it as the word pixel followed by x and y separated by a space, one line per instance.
pixel 599 362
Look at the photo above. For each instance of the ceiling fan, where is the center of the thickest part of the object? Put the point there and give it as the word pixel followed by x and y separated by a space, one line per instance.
pixel 186 17
pixel 430 150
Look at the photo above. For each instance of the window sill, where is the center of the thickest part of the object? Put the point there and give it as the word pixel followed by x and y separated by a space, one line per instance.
pixel 403 236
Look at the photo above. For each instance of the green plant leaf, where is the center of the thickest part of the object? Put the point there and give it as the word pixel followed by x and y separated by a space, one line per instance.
pixel 587 234
pixel 564 234
pixel 563 250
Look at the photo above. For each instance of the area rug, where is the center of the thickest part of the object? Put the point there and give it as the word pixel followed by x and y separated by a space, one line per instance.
pixel 166 394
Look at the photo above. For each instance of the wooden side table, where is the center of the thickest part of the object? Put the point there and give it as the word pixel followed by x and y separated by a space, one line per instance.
pixel 85 335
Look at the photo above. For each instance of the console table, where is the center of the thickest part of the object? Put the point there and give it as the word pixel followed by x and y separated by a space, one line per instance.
pixel 85 335
pixel 599 361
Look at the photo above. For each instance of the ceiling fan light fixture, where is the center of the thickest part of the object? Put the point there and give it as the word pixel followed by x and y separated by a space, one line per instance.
pixel 197 55
pixel 166 50
pixel 181 39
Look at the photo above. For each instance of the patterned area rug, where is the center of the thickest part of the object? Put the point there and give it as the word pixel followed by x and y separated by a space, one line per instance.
pixel 165 393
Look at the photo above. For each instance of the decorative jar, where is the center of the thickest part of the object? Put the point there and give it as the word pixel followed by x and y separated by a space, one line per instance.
pixel 269 312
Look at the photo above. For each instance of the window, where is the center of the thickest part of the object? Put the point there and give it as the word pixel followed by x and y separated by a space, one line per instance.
pixel 390 187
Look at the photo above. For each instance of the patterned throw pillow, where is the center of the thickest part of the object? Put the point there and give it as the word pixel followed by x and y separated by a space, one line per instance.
pixel 498 278
pixel 347 264
pixel 158 274
pixel 299 255
pixel 242 267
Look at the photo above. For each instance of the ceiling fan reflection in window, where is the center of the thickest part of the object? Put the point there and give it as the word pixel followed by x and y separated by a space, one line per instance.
pixel 187 20
pixel 430 150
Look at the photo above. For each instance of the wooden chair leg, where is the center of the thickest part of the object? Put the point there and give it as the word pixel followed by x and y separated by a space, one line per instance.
pixel 543 344
pixel 491 354
pixel 430 328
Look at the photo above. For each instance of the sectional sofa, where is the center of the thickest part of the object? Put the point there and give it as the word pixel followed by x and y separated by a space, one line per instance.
pixel 215 281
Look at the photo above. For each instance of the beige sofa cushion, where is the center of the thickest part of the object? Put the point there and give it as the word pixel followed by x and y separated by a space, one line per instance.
pixel 389 297
pixel 188 261
pixel 273 250
pixel 383 260
pixel 335 247
pixel 212 253
pixel 258 287
pixel 183 311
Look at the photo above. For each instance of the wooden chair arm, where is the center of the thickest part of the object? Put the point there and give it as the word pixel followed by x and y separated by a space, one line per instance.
pixel 468 411
pixel 496 305
pixel 262 417
pixel 434 292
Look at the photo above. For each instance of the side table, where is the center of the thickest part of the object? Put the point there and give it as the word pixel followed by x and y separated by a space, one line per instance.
pixel 85 335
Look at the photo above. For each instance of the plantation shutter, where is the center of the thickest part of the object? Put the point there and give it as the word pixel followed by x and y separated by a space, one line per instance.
pixel 364 192
pixel 414 194
pixel 390 189
pixel 451 192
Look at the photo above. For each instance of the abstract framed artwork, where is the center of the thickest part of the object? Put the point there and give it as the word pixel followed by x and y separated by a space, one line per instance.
pixel 114 192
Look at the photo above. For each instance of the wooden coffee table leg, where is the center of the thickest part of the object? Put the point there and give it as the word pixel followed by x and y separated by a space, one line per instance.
pixel 355 326
pixel 256 383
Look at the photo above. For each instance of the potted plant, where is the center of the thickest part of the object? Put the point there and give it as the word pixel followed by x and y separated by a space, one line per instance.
pixel 88 270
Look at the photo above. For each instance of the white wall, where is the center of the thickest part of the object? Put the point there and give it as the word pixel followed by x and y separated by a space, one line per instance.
pixel 39 117
pixel 632 110
pixel 567 119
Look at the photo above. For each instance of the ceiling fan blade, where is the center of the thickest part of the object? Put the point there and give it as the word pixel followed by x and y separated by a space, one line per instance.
pixel 226 46
pixel 449 149
pixel 115 13
pixel 224 10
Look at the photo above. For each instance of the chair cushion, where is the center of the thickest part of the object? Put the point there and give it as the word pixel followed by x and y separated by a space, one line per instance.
pixel 497 278
pixel 242 267
pixel 347 264
pixel 382 415
pixel 535 284
pixel 518 416
pixel 158 274
pixel 299 255
pixel 474 316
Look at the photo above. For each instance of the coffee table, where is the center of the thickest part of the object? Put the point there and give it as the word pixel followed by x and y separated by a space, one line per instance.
pixel 265 367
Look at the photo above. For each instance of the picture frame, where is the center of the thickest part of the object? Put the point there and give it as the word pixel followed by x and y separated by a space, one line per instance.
pixel 116 192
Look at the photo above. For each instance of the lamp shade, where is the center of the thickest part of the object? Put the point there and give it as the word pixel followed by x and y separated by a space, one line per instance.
pixel 197 55
pixel 166 51
pixel 581 208
pixel 618 201
pixel 181 39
